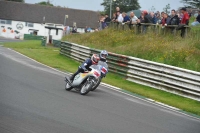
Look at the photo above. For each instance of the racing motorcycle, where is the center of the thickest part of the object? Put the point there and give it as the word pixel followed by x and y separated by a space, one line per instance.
pixel 102 67
pixel 83 82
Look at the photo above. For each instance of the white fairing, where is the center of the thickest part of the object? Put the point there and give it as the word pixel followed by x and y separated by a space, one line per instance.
pixel 82 76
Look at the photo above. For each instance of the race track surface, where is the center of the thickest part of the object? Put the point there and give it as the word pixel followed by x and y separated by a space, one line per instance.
pixel 33 100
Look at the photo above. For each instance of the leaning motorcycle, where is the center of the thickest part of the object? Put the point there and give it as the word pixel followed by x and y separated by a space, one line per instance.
pixel 102 67
pixel 83 82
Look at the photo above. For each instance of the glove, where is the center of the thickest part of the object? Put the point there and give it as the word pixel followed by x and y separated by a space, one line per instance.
pixel 84 69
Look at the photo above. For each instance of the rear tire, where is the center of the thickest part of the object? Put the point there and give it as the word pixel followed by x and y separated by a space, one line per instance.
pixel 86 88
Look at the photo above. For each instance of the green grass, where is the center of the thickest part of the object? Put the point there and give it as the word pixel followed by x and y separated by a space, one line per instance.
pixel 168 49
pixel 51 57
pixel 46 55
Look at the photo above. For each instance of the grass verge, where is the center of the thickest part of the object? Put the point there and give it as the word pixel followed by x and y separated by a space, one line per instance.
pixel 50 56
pixel 167 49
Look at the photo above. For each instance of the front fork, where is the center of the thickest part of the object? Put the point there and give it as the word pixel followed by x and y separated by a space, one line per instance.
pixel 67 80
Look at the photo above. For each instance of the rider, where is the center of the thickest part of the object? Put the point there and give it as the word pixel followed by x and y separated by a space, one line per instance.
pixel 86 65
pixel 103 54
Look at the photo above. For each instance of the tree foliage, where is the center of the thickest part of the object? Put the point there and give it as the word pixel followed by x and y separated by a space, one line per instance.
pixel 191 3
pixel 16 0
pixel 166 9
pixel 152 9
pixel 45 3
pixel 125 5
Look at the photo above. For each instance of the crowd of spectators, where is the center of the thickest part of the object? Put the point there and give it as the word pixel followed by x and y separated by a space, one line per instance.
pixel 179 18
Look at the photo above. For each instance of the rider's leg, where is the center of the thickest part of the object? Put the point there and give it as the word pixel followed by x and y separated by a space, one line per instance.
pixel 77 72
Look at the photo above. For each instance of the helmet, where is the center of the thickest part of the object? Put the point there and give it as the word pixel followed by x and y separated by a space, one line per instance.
pixel 95 59
pixel 103 54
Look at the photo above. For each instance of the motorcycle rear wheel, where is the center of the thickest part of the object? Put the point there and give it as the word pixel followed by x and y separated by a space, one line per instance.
pixel 86 88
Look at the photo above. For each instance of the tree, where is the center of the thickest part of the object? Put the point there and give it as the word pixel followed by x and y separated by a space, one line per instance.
pixel 125 5
pixel 192 3
pixel 167 8
pixel 45 3
pixel 152 9
pixel 16 0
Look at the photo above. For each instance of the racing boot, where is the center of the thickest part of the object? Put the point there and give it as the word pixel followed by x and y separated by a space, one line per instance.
pixel 72 78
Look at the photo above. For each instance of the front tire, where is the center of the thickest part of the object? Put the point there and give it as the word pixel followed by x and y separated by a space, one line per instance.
pixel 96 85
pixel 68 87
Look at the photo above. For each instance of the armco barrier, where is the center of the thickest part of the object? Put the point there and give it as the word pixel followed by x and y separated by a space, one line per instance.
pixel 164 77
pixel 43 41
pixel 56 43
pixel 32 37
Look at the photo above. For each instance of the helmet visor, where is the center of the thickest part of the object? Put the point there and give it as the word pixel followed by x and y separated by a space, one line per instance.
pixel 104 55
pixel 95 60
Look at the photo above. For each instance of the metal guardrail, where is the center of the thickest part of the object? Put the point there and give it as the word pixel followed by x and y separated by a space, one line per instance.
pixel 164 77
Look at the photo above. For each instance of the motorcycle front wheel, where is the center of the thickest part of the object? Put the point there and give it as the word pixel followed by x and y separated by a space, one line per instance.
pixel 86 87
pixel 68 87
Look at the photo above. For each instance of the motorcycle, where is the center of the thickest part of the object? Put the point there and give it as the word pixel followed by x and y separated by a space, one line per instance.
pixel 103 68
pixel 83 82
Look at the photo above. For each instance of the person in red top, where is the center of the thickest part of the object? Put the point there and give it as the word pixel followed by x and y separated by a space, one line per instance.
pixel 184 21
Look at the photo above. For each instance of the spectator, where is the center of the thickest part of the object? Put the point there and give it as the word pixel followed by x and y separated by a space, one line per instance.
pixel 158 17
pixel 190 13
pixel 153 18
pixel 184 21
pixel 185 18
pixel 144 18
pixel 174 18
pixel 114 17
pixel 119 17
pixel 126 19
pixel 147 17
pixel 74 29
pixel 180 17
pixel 89 29
pixel 197 20
pixel 107 19
pixel 102 23
pixel 167 19
pixel 68 30
pixel 163 21
pixel 141 18
pixel 86 29
pixel 133 18
pixel 117 10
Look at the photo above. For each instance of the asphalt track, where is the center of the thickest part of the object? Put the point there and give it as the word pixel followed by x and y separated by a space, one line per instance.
pixel 3 39
pixel 33 100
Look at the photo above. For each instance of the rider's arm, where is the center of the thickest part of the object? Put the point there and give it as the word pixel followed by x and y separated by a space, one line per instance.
pixel 85 64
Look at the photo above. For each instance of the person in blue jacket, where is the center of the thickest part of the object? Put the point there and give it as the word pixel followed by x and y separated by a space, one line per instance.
pixel 86 65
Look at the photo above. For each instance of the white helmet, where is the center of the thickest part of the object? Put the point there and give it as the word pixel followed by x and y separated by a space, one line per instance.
pixel 103 54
